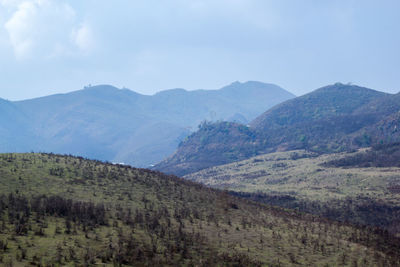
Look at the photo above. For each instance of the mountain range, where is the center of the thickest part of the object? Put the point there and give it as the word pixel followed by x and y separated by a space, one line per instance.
pixel 303 207
pixel 334 118
pixel 119 125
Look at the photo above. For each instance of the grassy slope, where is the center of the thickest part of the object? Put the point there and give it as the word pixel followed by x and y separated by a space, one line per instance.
pixel 172 222
pixel 303 176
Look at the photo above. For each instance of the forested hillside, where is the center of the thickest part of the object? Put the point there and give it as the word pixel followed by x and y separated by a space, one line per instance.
pixel 62 210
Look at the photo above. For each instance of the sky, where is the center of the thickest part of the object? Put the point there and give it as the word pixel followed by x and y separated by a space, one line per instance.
pixel 57 46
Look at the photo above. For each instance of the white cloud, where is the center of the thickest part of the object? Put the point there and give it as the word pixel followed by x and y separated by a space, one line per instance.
pixel 43 28
pixel 20 28
pixel 83 37
pixel 10 3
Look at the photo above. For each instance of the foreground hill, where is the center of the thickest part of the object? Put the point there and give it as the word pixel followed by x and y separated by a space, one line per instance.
pixel 59 210
pixel 103 122
pixel 317 184
pixel 334 118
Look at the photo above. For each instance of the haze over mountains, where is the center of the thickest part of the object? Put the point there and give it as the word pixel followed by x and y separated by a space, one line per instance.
pixel 119 125
pixel 334 118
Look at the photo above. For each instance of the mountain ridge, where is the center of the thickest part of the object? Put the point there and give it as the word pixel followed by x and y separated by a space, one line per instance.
pixel 326 120
pixel 120 125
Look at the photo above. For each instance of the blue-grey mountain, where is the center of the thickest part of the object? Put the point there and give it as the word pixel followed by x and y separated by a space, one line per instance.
pixel 119 125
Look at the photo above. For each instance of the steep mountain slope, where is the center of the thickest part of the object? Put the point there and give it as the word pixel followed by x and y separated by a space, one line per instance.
pixel 322 120
pixel 384 131
pixel 103 122
pixel 213 144
pixel 67 211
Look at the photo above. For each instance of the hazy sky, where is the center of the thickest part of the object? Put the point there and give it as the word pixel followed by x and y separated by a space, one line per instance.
pixel 55 46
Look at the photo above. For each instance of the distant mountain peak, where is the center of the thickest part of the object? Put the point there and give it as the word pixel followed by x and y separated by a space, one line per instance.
pixel 100 87
pixel 342 87
pixel 248 83
pixel 105 90
pixel 255 87
pixel 235 83
pixel 172 91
